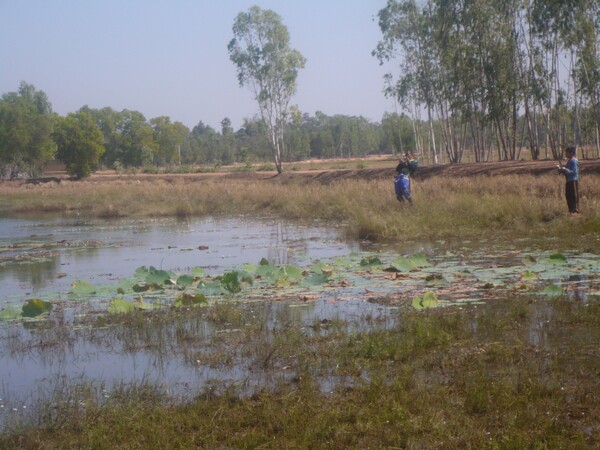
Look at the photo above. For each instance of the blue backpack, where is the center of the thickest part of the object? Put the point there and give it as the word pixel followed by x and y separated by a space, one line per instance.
pixel 402 186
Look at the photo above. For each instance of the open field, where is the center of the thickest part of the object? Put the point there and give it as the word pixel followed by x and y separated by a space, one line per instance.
pixel 520 369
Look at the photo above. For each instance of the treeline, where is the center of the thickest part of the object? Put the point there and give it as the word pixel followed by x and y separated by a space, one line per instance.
pixel 31 134
pixel 492 77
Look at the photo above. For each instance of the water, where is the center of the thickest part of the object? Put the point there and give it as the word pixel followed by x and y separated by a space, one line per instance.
pixel 40 360
pixel 41 255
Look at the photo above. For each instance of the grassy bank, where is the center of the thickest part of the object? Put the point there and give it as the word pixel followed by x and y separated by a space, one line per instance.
pixel 515 373
pixel 443 207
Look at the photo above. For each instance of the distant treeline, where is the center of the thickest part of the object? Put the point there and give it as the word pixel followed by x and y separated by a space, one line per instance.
pixel 31 135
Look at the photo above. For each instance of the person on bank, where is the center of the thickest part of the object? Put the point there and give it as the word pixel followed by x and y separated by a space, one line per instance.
pixel 405 168
pixel 571 172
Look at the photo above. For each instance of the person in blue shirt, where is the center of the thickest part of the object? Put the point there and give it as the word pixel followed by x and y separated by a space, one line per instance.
pixel 571 172
pixel 405 168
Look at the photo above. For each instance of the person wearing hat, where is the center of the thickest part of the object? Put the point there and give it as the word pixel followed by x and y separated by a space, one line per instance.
pixel 571 172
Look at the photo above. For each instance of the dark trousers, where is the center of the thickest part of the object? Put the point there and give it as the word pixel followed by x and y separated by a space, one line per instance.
pixel 572 194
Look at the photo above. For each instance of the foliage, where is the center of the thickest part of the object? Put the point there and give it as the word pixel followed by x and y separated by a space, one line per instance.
pixel 26 123
pixel 264 60
pixel 79 143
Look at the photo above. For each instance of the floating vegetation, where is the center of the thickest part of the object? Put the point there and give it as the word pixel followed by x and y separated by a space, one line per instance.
pixel 423 281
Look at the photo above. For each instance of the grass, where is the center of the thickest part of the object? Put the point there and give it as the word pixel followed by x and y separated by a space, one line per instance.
pixel 516 372
pixel 502 205
pixel 476 377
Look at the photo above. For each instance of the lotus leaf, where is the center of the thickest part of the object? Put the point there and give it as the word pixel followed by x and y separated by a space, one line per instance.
pixel 210 288
pixel 36 307
pixel 185 300
pixel 529 276
pixel 147 287
pixel 291 272
pixel 197 271
pixel 157 276
pixel 230 281
pixel 10 314
pixel 82 288
pixel 120 306
pixel 556 258
pixel 370 261
pixel 408 263
pixel 321 268
pixel 184 281
pixel 429 300
pixel 315 280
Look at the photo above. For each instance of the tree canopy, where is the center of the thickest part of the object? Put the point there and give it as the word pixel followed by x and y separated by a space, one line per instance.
pixel 265 61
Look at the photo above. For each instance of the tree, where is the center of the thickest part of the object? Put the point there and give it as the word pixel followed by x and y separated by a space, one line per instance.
pixel 266 63
pixel 79 143
pixel 26 122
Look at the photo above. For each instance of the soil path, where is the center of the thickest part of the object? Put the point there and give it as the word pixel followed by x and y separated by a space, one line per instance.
pixel 325 176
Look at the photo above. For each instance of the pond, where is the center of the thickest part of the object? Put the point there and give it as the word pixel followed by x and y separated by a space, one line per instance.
pixel 68 285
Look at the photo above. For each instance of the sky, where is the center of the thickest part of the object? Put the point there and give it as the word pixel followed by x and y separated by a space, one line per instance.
pixel 169 57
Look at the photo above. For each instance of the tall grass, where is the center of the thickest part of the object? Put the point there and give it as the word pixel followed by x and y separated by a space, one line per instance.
pixel 442 206
pixel 468 377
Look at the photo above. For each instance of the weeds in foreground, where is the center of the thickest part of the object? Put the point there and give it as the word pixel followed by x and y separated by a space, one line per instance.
pixel 514 373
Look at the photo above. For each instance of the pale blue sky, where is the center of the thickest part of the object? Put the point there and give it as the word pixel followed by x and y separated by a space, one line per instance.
pixel 170 58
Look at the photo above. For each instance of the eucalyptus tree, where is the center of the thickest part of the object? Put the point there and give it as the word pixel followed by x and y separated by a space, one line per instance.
pixel 407 36
pixel 261 51
pixel 26 124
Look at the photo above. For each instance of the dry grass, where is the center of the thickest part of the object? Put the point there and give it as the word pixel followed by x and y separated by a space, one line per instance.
pixel 442 206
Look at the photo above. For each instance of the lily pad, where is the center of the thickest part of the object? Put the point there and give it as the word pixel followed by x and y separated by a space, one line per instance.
pixel 120 306
pixel 429 300
pixel 80 287
pixel 10 314
pixel 36 307
pixel 185 300
pixel 184 281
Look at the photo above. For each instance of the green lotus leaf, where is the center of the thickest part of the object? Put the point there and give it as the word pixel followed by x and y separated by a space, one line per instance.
pixel 231 282
pixel 408 263
pixel 184 281
pixel 210 288
pixel 186 300
pixel 10 314
pixel 80 287
pixel 429 300
pixel 121 291
pixel 158 276
pixel 120 306
pixel 321 268
pixel 291 272
pixel 370 261
pixel 147 287
pixel 556 259
pixel 36 307
pixel 263 262
pixel 314 279
pixel 529 276
pixel 197 271
pixel 266 271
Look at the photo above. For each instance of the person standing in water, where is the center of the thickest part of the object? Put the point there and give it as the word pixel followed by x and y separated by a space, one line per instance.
pixel 571 172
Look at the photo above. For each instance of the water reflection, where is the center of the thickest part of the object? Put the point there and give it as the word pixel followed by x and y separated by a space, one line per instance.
pixel 38 255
